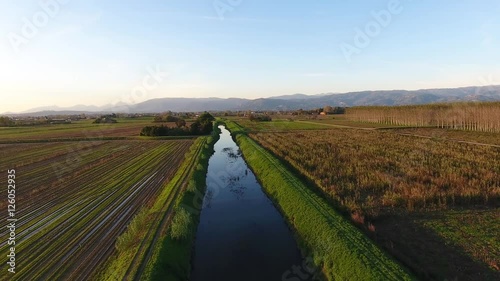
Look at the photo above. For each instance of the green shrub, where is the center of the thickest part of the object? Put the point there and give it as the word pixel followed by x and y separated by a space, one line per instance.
pixel 181 224
pixel 138 223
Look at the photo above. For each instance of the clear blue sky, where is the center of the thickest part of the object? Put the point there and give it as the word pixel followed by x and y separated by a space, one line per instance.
pixel 98 52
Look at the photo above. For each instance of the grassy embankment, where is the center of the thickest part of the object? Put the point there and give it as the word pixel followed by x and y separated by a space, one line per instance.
pixel 170 257
pixel 337 247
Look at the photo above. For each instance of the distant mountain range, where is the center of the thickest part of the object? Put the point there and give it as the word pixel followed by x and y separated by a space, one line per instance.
pixel 286 102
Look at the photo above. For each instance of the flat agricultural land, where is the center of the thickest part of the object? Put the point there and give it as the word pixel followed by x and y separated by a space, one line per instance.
pixel 340 121
pixel 439 244
pixel 146 250
pixel 75 198
pixel 283 123
pixel 126 128
pixel 453 135
pixel 278 125
pixel 416 196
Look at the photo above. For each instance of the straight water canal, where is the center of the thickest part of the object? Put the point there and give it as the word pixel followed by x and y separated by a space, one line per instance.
pixel 241 235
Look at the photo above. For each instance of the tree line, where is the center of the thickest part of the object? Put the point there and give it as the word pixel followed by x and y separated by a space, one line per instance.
pixel 259 118
pixel 474 116
pixel 6 121
pixel 202 126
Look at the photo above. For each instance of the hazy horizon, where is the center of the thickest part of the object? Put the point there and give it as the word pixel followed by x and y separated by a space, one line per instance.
pixel 119 102
pixel 94 53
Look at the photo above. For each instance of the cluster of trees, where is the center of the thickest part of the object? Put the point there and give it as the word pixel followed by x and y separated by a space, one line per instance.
pixel 332 110
pixel 202 126
pixel 162 130
pixel 106 119
pixel 326 110
pixel 179 122
pixel 6 121
pixel 259 118
pixel 484 116
pixel 166 118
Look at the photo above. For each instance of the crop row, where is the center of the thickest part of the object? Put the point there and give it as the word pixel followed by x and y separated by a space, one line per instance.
pixel 47 201
pixel 117 204
pixel 141 247
pixel 93 205
pixel 49 179
pixel 161 214
pixel 58 201
pixel 83 215
pixel 146 195
pixel 76 130
pixel 18 155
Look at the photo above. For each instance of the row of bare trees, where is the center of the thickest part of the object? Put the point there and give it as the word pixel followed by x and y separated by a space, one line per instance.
pixel 474 116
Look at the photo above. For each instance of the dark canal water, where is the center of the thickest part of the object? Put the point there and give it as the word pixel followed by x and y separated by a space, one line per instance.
pixel 241 235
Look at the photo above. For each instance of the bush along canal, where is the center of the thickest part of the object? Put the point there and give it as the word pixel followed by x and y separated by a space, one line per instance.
pixel 241 235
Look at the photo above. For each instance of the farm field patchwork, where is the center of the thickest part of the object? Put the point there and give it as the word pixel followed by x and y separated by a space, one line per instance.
pixel 383 179
pixel 76 198
pixel 100 202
